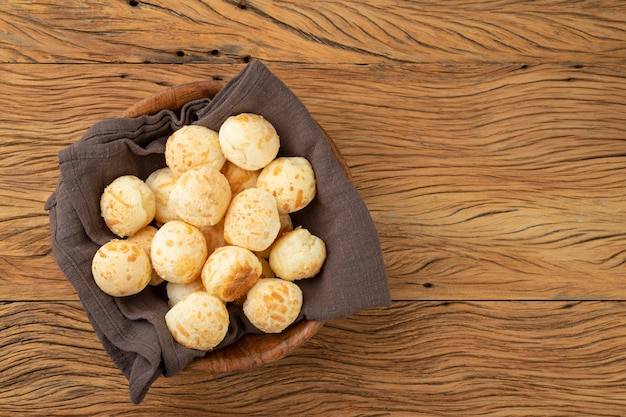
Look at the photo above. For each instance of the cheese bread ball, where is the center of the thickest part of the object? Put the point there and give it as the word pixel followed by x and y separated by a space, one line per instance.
pixel 176 292
pixel 162 183
pixel 121 268
pixel 178 252
pixel 144 239
pixel 127 205
pixel 198 321
pixel 266 271
pixel 214 236
pixel 201 196
pixel 230 272
pixel 297 255
pixel 273 304
pixel 239 178
pixel 285 226
pixel 249 141
pixel 252 220
pixel 291 181
pixel 192 146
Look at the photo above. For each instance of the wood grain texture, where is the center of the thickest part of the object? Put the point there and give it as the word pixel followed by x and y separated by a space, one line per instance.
pixel 511 178
pixel 444 359
pixel 486 138
pixel 388 31
pixel 56 106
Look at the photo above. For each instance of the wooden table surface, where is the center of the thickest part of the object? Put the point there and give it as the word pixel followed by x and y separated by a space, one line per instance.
pixel 487 138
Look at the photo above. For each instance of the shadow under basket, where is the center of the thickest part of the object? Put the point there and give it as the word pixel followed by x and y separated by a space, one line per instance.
pixel 251 350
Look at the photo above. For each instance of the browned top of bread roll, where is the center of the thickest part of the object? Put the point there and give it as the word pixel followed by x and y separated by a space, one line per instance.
pixel 272 304
pixel 198 321
pixel 230 271
pixel 249 141
pixel 192 146
pixel 127 205
pixel 252 220
pixel 121 268
pixel 178 252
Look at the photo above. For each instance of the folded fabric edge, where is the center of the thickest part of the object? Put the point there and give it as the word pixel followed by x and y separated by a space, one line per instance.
pixel 125 359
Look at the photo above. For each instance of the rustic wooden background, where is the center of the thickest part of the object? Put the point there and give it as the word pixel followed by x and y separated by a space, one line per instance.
pixel 487 138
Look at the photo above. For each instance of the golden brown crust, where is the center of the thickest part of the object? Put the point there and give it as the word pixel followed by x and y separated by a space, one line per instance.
pixel 297 255
pixel 230 272
pixel 198 321
pixel 178 252
pixel 201 196
pixel 192 146
pixel 249 141
pixel 162 182
pixel 252 220
pixel 127 205
pixel 144 238
pixel 214 236
pixel 121 268
pixel 273 304
pixel 239 179
pixel 291 181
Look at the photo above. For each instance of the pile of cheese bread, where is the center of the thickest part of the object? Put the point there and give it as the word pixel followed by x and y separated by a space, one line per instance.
pixel 214 226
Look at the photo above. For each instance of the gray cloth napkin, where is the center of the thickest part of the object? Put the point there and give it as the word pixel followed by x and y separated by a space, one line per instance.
pixel 132 329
